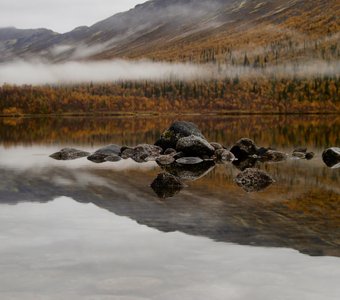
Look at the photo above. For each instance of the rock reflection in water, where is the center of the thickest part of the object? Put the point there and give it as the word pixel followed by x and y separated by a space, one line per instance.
pixel 300 211
pixel 190 172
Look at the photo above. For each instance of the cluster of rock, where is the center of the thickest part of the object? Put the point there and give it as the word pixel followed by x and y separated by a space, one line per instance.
pixel 184 153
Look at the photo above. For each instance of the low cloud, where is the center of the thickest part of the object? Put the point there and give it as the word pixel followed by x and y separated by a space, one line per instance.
pixel 104 71
pixel 37 72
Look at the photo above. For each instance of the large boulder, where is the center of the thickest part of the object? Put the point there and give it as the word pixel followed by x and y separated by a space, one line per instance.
pixel 176 131
pixel 331 157
pixel 69 154
pixel 254 180
pixel 141 153
pixel 195 146
pixel 107 153
pixel 244 148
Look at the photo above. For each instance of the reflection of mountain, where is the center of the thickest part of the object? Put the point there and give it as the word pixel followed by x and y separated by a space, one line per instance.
pixel 210 207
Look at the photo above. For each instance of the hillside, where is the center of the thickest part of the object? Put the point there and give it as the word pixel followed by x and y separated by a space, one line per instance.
pixel 225 31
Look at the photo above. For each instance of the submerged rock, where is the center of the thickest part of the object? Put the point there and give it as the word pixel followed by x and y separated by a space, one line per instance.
pixel 300 155
pixel 254 180
pixel 300 150
pixel 216 146
pixel 331 157
pixel 243 164
pixel 165 159
pixel 141 153
pixel 223 155
pixel 273 156
pixel 244 148
pixel 176 131
pixel 189 160
pixel 69 154
pixel 170 151
pixel 190 172
pixel 166 185
pixel 195 146
pixel 107 153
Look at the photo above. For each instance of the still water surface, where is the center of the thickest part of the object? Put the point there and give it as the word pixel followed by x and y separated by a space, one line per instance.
pixel 81 230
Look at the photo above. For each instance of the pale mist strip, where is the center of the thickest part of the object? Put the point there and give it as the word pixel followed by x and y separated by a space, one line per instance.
pixel 37 73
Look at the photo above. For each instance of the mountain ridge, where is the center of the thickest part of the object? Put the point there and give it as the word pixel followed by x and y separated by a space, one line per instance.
pixel 198 31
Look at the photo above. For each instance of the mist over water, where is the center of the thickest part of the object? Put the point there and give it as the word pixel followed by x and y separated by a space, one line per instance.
pixel 36 72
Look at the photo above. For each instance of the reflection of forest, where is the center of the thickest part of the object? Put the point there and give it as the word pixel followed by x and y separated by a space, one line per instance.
pixel 317 131
pixel 298 212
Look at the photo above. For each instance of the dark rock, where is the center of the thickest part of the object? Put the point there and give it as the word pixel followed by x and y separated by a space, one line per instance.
pixel 254 180
pixel 310 155
pixel 189 161
pixel 224 155
pixel 170 151
pixel 331 157
pixel 142 153
pixel 101 154
pixel 246 163
pixel 274 156
pixel 244 148
pixel 195 146
pixel 176 131
pixel 69 154
pixel 113 158
pixel 216 146
pixel 127 152
pixel 190 172
pixel 262 151
pixel 166 185
pixel 165 160
pixel 179 155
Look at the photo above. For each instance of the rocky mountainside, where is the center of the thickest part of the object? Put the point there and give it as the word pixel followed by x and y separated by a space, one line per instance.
pixel 192 30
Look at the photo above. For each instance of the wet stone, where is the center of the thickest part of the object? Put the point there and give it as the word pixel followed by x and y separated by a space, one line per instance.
pixel 224 155
pixel 170 151
pixel 141 153
pixel 101 154
pixel 273 156
pixel 195 146
pixel 244 148
pixel 165 160
pixel 166 185
pixel 190 172
pixel 254 180
pixel 69 154
pixel 189 160
pixel 176 131
pixel 216 146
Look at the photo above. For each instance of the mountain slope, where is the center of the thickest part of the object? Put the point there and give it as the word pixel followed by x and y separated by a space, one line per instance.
pixel 194 30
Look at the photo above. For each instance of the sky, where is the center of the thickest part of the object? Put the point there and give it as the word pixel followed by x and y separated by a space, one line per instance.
pixel 59 15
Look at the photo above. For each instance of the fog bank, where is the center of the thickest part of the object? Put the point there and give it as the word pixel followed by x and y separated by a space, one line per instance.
pixel 76 72
pixel 37 72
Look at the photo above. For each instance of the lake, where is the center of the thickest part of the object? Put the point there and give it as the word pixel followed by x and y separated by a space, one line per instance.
pixel 80 230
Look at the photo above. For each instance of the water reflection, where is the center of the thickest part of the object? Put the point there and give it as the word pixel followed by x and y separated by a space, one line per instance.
pixel 301 210
pixel 68 250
